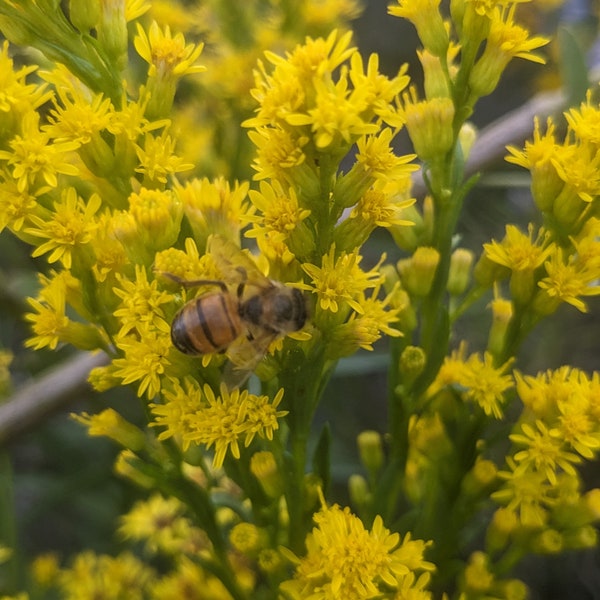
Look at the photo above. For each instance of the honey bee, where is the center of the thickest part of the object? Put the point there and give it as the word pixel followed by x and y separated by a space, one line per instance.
pixel 242 316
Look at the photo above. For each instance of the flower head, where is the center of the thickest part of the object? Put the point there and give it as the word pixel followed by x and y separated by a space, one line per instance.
pixel 339 282
pixel 69 229
pixel 34 159
pixel 167 55
pixel 346 560
pixel 234 417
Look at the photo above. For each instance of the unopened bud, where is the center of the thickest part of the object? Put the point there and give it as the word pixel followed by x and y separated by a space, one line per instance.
pixel 370 450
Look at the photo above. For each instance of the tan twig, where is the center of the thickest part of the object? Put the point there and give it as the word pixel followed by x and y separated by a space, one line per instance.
pixel 35 401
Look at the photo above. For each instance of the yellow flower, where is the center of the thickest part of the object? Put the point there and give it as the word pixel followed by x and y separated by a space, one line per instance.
pixel 16 96
pixel 188 265
pixel 486 384
pixel 141 303
pixel 214 207
pixel 318 55
pixel 45 569
pixel 381 91
pixel 169 59
pixel 346 560
pixel 429 124
pixel 482 383
pixel 157 215
pixel 301 90
pixel 157 160
pixel 174 413
pixel 528 493
pixel 585 121
pixel 69 228
pixel 167 56
pixel 89 573
pixel 50 323
pixel 364 328
pixel 565 401
pixel 376 156
pixel 538 157
pixel 522 255
pixel 188 580
pixel 505 41
pixel 544 452
pixel 567 282
pixel 232 417
pixel 109 253
pixel 379 206
pixel 339 282
pixel 34 158
pixel 146 359
pixel 277 151
pixel 337 118
pixel 159 523
pixel 78 118
pixel 17 206
pixel 518 251
pixel 281 215
pixel 247 538
pixel 578 167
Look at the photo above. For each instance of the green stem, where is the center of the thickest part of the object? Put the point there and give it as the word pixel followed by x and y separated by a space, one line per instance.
pixel 304 384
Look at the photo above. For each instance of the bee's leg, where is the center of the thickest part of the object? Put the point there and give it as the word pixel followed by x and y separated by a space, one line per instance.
pixel 194 282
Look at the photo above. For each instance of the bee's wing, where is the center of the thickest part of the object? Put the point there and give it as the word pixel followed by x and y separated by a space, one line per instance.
pixel 244 355
pixel 234 263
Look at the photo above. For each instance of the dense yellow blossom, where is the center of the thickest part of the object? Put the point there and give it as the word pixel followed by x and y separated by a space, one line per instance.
pixel 346 560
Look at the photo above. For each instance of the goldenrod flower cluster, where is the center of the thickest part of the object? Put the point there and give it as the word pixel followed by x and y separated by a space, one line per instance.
pixel 130 197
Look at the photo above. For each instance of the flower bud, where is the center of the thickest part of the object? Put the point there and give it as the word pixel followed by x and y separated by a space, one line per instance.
pixel 459 275
pixel 477 577
pixel 412 363
pixel 436 81
pixel 419 271
pixel 248 539
pixel 158 217
pixel 502 311
pixel 84 14
pixel 480 478
pixel 512 589
pixel 45 569
pixel 264 467
pixel 503 525
pixel 371 451
pixel 591 501
pixel 467 136
pixel 270 561
pixel 111 424
pixel 548 541
pixel 581 538
pixel 430 126
pixel 358 490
